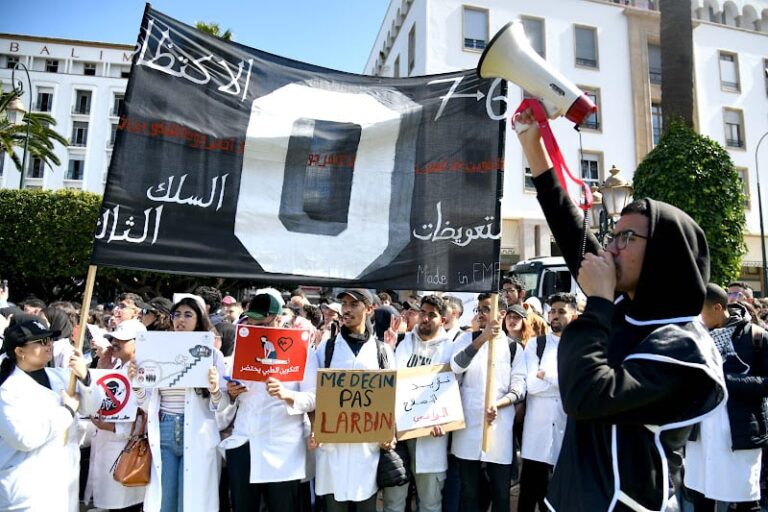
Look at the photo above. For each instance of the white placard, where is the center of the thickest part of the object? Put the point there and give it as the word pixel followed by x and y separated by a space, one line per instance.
pixel 427 396
pixel 173 359
pixel 119 403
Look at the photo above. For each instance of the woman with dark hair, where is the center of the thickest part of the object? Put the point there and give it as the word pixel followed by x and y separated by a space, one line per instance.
pixel 35 414
pixel 156 314
pixel 182 430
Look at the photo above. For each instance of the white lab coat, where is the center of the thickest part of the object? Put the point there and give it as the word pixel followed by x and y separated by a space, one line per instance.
pixel 431 452
pixel 544 425
pixel 36 466
pixel 348 470
pixel 202 462
pixel 274 430
pixel 468 443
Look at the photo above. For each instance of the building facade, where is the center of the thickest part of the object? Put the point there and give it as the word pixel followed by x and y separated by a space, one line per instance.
pixel 81 84
pixel 610 49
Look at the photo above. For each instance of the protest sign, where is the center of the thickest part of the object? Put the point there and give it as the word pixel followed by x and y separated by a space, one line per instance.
pixel 119 404
pixel 355 406
pixel 173 359
pixel 233 162
pixel 263 352
pixel 427 396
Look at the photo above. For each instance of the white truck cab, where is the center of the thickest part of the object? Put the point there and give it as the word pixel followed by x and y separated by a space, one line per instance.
pixel 541 277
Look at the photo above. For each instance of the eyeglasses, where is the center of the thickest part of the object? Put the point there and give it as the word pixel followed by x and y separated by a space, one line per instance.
pixel 44 342
pixel 431 315
pixel 187 315
pixel 622 238
pixel 508 290
pixel 735 295
pixel 485 310
pixel 123 305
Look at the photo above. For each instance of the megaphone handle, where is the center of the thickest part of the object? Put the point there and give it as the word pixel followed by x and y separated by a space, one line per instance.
pixel 550 109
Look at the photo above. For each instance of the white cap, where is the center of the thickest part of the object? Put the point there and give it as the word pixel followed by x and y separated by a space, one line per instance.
pixel 127 330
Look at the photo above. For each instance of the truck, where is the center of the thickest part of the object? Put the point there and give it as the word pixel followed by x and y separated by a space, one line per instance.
pixel 543 276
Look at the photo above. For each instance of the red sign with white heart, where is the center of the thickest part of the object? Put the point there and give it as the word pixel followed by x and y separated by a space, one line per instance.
pixel 263 352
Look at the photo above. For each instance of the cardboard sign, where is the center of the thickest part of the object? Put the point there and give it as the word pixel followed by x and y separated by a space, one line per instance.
pixel 119 404
pixel 427 396
pixel 263 352
pixel 355 406
pixel 173 359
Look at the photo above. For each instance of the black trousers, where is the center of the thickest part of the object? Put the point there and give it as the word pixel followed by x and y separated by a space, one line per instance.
pixel 499 477
pixel 331 505
pixel 246 497
pixel 534 481
pixel 704 504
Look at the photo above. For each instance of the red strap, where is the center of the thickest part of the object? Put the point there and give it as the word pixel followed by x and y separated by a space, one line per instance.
pixel 558 162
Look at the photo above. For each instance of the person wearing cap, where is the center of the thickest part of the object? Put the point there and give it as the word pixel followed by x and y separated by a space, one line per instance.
pixel 267 450
pixel 156 314
pixel 36 465
pixel 346 472
pixel 331 319
pixel 516 325
pixel 110 438
pixel 182 430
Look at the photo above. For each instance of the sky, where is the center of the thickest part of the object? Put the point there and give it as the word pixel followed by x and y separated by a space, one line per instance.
pixel 336 34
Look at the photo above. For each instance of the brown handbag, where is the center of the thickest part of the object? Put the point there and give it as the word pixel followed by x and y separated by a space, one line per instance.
pixel 133 466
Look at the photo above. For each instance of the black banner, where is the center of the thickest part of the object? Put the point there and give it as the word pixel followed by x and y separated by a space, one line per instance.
pixel 236 163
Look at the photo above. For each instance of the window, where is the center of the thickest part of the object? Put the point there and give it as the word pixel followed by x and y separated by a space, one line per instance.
pixel 12 61
pixel 528 178
pixel 125 73
pixel 396 71
pixel 590 168
pixel 117 103
pixel 35 169
pixel 656 122
pixel 534 29
pixel 411 49
pixel 475 28
pixel 75 169
pixel 586 46
pixel 89 69
pixel 51 65
pixel 79 133
pixel 734 131
pixel 82 102
pixel 729 72
pixel 593 121
pixel 744 175
pixel 113 135
pixel 654 63
pixel 44 100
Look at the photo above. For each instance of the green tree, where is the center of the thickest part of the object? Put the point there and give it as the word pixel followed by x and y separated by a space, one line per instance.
pixel 697 175
pixel 41 136
pixel 213 29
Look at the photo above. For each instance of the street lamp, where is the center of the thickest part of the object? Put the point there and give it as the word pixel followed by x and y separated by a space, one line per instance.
pixel 608 201
pixel 17 110
pixel 760 213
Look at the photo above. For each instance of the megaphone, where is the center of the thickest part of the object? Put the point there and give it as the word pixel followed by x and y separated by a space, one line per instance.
pixel 509 55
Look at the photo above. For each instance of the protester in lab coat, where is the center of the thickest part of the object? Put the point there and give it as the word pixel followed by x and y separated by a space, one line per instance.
pixel 266 453
pixel 470 359
pixel 35 415
pixel 183 434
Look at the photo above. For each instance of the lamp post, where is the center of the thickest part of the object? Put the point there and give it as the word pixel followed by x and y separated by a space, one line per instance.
pixel 16 107
pixel 760 213
pixel 608 201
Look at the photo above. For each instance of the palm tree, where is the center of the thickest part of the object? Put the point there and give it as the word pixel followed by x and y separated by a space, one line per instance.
pixel 676 62
pixel 41 135
pixel 213 29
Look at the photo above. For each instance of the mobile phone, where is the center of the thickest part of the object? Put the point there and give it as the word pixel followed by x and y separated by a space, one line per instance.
pixel 233 381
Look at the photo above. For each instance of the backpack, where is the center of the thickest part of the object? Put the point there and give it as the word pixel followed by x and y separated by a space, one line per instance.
pixel 330 346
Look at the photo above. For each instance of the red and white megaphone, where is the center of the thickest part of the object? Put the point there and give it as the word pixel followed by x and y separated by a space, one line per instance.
pixel 509 55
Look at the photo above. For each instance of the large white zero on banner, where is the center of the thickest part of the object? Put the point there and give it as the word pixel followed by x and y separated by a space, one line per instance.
pixel 257 223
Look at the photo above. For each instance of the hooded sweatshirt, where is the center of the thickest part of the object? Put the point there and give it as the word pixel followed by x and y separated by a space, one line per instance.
pixel 635 374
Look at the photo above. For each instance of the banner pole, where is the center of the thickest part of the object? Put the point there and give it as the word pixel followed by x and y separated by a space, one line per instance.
pixel 489 384
pixel 90 281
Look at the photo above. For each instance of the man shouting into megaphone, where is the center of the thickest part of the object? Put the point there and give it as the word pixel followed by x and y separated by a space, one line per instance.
pixel 637 369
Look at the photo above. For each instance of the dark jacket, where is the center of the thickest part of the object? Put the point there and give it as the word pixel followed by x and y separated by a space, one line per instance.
pixel 634 374
pixel 747 405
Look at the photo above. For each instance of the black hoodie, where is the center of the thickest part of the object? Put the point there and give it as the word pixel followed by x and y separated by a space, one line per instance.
pixel 635 375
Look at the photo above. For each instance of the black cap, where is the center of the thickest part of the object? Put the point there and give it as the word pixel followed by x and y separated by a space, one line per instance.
pixel 360 294
pixel 159 304
pixel 24 332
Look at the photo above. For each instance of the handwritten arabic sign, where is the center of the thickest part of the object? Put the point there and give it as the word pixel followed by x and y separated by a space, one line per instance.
pixel 173 359
pixel 355 406
pixel 227 159
pixel 427 396
pixel 263 352
pixel 119 404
